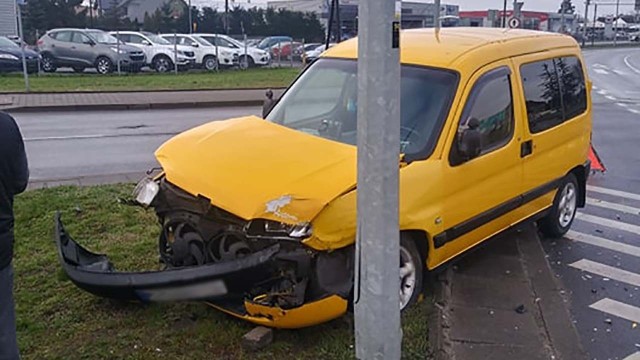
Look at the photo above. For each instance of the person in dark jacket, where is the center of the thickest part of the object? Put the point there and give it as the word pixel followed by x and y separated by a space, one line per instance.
pixel 14 175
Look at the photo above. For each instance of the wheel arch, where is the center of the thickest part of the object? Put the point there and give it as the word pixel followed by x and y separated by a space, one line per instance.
pixel 421 239
pixel 581 173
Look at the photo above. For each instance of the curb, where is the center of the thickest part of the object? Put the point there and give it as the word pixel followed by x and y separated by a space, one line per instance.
pixel 439 324
pixel 127 178
pixel 125 91
pixel 148 106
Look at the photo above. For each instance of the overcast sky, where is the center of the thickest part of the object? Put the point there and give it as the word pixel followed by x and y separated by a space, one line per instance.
pixel 533 5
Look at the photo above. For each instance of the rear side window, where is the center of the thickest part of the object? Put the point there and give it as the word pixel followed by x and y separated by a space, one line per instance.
pixel 80 38
pixel 62 36
pixel 555 91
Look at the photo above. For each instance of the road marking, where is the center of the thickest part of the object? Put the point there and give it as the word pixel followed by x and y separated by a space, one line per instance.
pixel 637 112
pixel 620 72
pixel 614 206
pixel 618 309
pixel 622 194
pixel 610 97
pixel 603 243
pixel 622 104
pixel 609 223
pixel 607 271
pixel 634 356
pixel 600 65
pixel 628 63
pixel 601 71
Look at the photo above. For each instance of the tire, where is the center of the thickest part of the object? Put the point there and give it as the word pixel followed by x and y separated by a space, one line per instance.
pixel 210 63
pixel 162 64
pixel 48 63
pixel 249 62
pixel 412 277
pixel 104 65
pixel 78 69
pixel 563 211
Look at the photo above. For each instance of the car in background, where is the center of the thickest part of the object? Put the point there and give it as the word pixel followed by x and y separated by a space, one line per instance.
pixel 11 57
pixel 253 56
pixel 87 48
pixel 283 51
pixel 315 53
pixel 224 45
pixel 159 53
pixel 207 57
pixel 268 42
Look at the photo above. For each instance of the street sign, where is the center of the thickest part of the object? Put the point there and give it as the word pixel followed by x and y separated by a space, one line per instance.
pixel 514 23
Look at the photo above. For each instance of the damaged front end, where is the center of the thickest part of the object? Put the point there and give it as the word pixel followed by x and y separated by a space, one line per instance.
pixel 258 270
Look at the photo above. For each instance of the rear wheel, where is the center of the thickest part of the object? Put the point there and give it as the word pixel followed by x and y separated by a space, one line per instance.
pixel 210 63
pixel 246 62
pixel 162 64
pixel 563 211
pixel 48 63
pixel 104 65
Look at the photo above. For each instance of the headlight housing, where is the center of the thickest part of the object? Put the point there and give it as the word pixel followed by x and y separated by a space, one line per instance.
pixel 260 228
pixel 8 57
pixel 146 191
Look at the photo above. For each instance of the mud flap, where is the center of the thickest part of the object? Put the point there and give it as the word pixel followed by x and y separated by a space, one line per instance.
pixel 95 273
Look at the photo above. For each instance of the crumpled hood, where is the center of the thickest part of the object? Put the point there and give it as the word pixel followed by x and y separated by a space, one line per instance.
pixel 257 169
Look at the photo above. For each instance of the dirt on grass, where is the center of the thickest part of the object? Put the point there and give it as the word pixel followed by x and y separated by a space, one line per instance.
pixel 56 320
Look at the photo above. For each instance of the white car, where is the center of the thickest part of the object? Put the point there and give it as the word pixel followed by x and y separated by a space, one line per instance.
pixel 254 56
pixel 159 52
pixel 205 51
pixel 315 53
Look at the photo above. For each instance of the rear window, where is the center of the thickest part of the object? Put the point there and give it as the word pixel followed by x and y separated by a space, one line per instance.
pixel 555 91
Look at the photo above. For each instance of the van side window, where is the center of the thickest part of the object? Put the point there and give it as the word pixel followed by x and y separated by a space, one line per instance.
pixel 574 89
pixel 491 104
pixel 542 94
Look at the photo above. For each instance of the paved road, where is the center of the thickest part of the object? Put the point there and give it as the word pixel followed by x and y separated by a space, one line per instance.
pixel 599 261
pixel 65 145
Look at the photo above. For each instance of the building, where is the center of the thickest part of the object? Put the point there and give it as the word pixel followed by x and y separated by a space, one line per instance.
pixel 136 9
pixel 414 14
pixel 534 20
pixel 8 19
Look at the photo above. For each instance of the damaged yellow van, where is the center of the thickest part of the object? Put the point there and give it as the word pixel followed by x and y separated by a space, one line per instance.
pixel 258 216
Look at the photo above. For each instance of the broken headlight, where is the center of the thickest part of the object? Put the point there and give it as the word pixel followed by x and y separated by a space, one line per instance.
pixel 261 228
pixel 146 190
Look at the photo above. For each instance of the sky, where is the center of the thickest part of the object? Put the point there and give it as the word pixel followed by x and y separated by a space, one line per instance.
pixel 533 5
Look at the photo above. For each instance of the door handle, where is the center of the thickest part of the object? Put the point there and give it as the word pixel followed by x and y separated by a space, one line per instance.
pixel 526 148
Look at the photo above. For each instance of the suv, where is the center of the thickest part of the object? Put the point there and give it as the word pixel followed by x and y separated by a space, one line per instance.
pixel 253 55
pixel 205 53
pixel 85 48
pixel 159 52
pixel 268 42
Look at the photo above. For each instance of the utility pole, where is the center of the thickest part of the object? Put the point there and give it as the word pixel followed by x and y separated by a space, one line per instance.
pixel 615 24
pixel 338 21
pixel 586 21
pixel 25 71
pixel 376 299
pixel 329 24
pixel 226 17
pixel 190 19
pixel 438 13
pixel 595 19
pixel 504 15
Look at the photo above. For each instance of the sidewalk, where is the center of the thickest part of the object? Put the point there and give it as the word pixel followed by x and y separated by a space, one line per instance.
pixel 503 302
pixel 132 100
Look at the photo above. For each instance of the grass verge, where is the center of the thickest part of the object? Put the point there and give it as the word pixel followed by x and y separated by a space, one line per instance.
pixel 56 320
pixel 252 78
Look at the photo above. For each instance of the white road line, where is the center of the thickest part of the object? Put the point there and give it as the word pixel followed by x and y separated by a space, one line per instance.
pixel 603 243
pixel 634 356
pixel 622 104
pixel 601 71
pixel 609 223
pixel 637 112
pixel 599 65
pixel 607 271
pixel 610 97
pixel 620 72
pixel 622 194
pixel 613 206
pixel 628 63
pixel 618 309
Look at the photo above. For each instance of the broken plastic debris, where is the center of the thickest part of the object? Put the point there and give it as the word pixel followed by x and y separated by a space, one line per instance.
pixel 158 350
pixel 599 231
pixel 521 309
pixel 637 345
pixel 491 312
pixel 605 279
pixel 507 272
pixel 595 329
pixel 608 321
pixel 634 325
pixel 537 300
pixel 593 291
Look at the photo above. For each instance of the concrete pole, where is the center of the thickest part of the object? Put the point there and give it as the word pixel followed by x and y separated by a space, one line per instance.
pixel 504 15
pixel 118 51
pixel 25 71
pixel 175 52
pixel 438 13
pixel 586 20
pixel 377 303
pixel 190 19
pixel 595 19
pixel 615 24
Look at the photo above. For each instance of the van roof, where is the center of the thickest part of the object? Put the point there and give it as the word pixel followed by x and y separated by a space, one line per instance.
pixel 457 47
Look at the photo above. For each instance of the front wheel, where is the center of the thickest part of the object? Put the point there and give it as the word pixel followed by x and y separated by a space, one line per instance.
pixel 162 64
pixel 104 65
pixel 210 63
pixel 563 211
pixel 411 272
pixel 48 63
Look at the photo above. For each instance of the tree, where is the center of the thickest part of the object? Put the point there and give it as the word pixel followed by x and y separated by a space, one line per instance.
pixel 43 15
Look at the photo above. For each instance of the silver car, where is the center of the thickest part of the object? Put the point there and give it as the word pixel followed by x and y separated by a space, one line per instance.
pixel 87 48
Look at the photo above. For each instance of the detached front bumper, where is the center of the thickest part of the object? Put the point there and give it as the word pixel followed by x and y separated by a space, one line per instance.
pixel 95 274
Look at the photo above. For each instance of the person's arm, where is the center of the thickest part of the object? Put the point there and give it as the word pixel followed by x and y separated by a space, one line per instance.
pixel 18 165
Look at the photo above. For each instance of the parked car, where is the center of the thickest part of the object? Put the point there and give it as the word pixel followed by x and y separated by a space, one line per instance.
pixel 224 44
pixel 87 48
pixel 160 53
pixel 205 51
pixel 635 37
pixel 312 55
pixel 253 55
pixel 283 51
pixel 258 217
pixel 11 57
pixel 268 42
pixel 622 36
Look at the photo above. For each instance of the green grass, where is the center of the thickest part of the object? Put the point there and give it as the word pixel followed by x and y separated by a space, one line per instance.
pixel 56 320
pixel 231 79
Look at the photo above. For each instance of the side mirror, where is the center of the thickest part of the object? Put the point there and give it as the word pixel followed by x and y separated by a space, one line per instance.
pixel 470 141
pixel 89 42
pixel 145 42
pixel 195 44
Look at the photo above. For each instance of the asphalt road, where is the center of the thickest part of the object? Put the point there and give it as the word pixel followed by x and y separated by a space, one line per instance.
pixel 67 145
pixel 598 262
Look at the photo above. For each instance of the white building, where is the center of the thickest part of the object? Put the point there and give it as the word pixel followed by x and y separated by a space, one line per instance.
pixel 8 20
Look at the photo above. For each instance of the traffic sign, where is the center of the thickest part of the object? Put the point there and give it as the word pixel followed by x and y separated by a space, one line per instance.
pixel 514 23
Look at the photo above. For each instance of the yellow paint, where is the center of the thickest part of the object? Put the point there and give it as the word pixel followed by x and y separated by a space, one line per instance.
pixel 310 314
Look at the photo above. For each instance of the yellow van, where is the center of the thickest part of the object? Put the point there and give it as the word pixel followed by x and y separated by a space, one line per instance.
pixel 259 216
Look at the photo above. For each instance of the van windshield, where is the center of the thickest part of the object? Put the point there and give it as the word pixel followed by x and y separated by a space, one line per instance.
pixel 323 102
